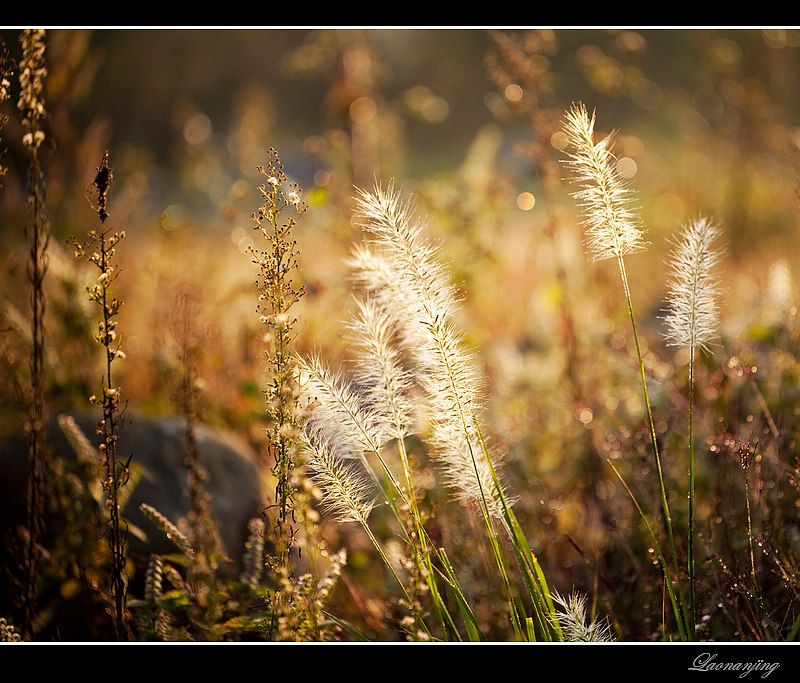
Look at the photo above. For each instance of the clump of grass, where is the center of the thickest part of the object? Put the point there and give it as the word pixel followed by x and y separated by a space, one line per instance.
pixel 100 249
pixel 414 375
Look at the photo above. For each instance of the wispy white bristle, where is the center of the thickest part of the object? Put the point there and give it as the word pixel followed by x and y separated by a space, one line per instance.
pixel 420 297
pixel 345 492
pixel 612 227
pixel 693 310
pixel 379 372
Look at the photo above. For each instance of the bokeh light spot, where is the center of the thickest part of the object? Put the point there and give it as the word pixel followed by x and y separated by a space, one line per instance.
pixel 668 210
pixel 626 167
pixel 363 110
pixel 197 129
pixel 526 201
pixel 513 93
pixel 172 217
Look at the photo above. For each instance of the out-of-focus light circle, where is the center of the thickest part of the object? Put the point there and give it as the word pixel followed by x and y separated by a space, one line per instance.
pixel 241 238
pixel 363 110
pixel 197 129
pixel 558 140
pixel 626 167
pixel 322 178
pixel 646 94
pixel 668 210
pixel 172 217
pixel 779 38
pixel 526 201
pixel 435 110
pixel 513 93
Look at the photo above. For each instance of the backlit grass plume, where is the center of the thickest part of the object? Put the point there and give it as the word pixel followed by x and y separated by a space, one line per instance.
pixel 420 297
pixel 612 227
pixel 403 272
pixel 379 369
pixel 337 416
pixel 692 323
pixel 345 494
pixel 575 622
pixel 693 291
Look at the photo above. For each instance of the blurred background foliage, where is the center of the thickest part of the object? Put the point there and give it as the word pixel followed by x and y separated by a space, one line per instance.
pixel 467 121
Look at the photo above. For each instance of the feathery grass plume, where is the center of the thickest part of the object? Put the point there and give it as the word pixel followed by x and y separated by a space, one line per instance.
pixel 693 312
pixel 86 453
pixel 379 371
pixel 574 623
pixel 32 74
pixel 345 494
pixel 692 323
pixel 614 231
pixel 253 560
pixel 424 303
pixel 612 227
pixel 155 622
pixel 338 416
pixel 404 272
pixel 169 530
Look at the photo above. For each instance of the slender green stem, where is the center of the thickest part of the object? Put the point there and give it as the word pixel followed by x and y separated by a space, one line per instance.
pixel 529 566
pixel 422 552
pixel 654 443
pixel 386 561
pixel 657 548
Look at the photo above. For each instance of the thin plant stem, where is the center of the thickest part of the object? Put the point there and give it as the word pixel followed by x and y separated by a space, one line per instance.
pixel 750 534
pixel 654 443
pixel 657 548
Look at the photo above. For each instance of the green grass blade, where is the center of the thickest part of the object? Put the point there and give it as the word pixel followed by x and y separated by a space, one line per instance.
pixel 347 627
pixel 470 621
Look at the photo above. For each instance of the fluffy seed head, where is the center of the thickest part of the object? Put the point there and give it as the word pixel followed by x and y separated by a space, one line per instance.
pixel 574 622
pixel 693 311
pixel 379 371
pixel 345 493
pixel 418 295
pixel 612 227
pixel 337 414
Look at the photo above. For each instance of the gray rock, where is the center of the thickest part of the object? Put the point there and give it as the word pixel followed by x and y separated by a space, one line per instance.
pixel 158 447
